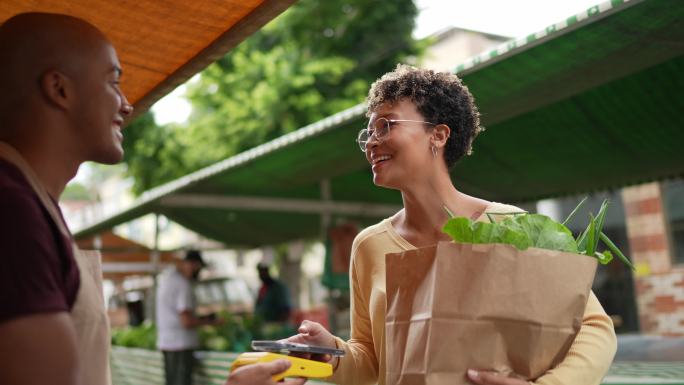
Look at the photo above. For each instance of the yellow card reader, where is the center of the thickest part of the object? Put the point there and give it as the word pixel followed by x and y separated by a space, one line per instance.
pixel 300 367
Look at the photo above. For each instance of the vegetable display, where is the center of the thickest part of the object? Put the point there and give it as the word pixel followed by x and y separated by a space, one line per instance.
pixel 524 230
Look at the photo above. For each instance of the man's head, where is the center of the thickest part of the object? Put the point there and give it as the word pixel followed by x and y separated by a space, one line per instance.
pixel 263 270
pixel 191 264
pixel 60 80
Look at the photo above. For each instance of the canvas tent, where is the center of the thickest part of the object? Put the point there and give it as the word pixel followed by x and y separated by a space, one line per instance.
pixel 161 44
pixel 122 258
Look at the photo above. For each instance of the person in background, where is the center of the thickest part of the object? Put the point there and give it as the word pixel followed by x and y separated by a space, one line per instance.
pixel 177 323
pixel 273 299
pixel 60 106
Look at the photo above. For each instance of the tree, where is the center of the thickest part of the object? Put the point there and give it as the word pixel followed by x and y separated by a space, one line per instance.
pixel 76 191
pixel 316 59
pixel 153 154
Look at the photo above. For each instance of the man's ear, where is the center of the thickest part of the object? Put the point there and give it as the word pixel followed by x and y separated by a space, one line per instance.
pixel 440 135
pixel 56 88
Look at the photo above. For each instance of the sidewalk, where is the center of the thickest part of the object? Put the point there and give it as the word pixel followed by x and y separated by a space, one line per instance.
pixel 623 372
pixel 647 360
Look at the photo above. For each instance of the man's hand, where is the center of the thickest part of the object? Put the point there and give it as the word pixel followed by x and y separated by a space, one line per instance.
pixel 492 378
pixel 260 374
pixel 39 349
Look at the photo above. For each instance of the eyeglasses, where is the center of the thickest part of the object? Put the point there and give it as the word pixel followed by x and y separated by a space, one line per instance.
pixel 380 128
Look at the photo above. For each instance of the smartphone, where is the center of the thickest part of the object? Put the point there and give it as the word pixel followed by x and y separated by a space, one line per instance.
pixel 288 347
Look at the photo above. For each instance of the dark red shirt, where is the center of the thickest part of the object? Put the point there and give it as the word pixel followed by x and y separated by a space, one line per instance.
pixel 38 272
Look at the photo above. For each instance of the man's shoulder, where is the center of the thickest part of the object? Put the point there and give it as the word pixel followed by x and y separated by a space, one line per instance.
pixel 41 275
pixel 11 178
pixel 18 200
pixel 19 203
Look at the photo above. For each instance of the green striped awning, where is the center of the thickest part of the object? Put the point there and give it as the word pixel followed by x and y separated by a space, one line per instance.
pixel 593 102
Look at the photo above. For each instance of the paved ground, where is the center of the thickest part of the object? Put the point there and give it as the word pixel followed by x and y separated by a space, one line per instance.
pixel 645 373
pixel 650 348
pixel 647 360
pixel 639 360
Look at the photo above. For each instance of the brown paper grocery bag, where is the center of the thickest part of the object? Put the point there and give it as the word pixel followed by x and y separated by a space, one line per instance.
pixel 453 306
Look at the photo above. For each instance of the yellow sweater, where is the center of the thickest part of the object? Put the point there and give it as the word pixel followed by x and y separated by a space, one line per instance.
pixel 586 363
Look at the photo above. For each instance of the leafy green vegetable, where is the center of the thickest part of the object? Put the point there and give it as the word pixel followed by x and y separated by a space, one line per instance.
pixel 460 229
pixel 524 230
pixel 616 251
pixel 464 230
pixel 604 257
pixel 231 335
pixel 591 237
pixel 574 211
pixel 544 232
pixel 142 336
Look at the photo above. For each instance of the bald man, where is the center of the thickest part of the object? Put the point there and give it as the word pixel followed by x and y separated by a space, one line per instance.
pixel 60 105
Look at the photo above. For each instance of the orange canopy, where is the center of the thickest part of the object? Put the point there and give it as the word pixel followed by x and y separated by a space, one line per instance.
pixel 161 44
pixel 122 257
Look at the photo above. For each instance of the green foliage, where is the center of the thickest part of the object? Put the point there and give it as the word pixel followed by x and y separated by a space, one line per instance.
pixel 524 230
pixel 233 335
pixel 544 232
pixel 153 154
pixel 614 249
pixel 75 191
pixel 316 59
pixel 587 242
pixel 521 231
pixel 143 336
pixel 237 332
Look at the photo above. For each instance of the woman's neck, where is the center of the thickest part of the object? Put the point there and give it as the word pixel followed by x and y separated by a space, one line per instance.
pixel 424 212
pixel 424 205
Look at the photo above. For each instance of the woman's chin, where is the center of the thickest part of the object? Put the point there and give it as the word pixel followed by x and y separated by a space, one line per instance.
pixel 383 182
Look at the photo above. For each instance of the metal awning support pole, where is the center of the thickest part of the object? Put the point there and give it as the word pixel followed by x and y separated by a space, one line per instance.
pixel 281 205
pixel 326 217
pixel 155 250
pixel 154 261
pixel 326 220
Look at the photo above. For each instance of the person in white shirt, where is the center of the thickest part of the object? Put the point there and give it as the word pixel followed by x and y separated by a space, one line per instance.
pixel 177 323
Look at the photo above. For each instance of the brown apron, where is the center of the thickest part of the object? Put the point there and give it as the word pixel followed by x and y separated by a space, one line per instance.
pixel 88 313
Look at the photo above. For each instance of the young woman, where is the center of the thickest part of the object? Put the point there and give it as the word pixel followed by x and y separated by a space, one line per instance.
pixel 420 124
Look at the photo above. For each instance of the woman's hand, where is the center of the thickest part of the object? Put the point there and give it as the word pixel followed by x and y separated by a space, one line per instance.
pixel 260 374
pixel 492 378
pixel 313 333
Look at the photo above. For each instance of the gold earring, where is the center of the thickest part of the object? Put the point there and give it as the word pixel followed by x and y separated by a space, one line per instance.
pixel 434 151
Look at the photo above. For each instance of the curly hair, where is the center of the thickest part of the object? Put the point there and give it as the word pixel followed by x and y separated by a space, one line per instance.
pixel 440 97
